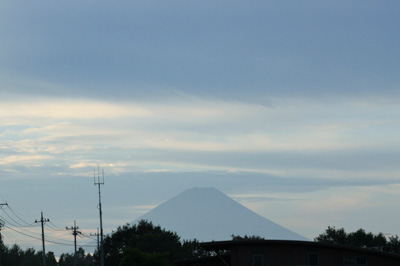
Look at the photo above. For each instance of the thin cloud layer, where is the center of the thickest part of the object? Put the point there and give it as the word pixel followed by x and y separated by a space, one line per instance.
pixel 306 136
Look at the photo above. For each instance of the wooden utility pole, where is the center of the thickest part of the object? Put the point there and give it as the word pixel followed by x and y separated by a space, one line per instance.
pixel 75 232
pixel 42 221
pixel 98 183
pixel 98 240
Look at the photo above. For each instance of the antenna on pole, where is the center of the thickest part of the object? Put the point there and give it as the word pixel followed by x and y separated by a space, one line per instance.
pixel 98 183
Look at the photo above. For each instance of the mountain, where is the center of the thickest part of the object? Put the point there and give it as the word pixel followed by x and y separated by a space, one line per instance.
pixel 208 214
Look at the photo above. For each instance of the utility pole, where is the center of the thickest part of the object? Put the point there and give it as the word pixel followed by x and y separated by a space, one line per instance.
pixel 74 233
pixel 98 183
pixel 98 241
pixel 1 227
pixel 42 221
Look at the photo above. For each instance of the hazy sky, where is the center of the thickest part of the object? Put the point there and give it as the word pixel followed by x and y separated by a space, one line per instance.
pixel 290 107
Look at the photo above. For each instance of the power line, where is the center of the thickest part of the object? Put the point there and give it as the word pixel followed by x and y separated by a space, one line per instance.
pixel 12 229
pixel 14 222
pixel 15 225
pixel 53 227
pixel 48 239
pixel 28 224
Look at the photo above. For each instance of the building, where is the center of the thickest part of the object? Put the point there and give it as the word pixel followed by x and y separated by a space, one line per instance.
pixel 289 253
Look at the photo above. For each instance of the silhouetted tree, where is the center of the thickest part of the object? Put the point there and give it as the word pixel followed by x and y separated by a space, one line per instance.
pixel 360 238
pixel 333 236
pixel 31 258
pixel 82 259
pixel 393 245
pixel 135 257
pixel 51 259
pixel 246 237
pixel 148 239
pixel 15 255
pixel 192 249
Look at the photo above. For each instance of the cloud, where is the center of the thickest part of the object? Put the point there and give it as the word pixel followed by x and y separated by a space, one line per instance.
pixel 291 138
pixel 34 160
pixel 229 51
pixel 66 110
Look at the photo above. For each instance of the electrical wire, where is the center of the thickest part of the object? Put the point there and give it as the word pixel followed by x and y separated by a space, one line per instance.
pixel 15 239
pixel 13 226
pixel 52 227
pixel 25 234
pixel 16 230
pixel 16 222
pixel 29 224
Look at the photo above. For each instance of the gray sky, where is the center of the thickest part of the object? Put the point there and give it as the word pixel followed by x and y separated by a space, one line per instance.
pixel 290 107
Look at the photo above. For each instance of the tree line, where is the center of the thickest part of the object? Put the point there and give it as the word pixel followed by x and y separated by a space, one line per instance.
pixel 144 244
pixel 361 239
pixel 141 244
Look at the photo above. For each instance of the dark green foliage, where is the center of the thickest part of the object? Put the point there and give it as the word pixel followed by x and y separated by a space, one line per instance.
pixel 246 237
pixel 15 256
pixel 192 249
pixel 393 245
pixel 51 259
pixel 141 244
pixel 81 259
pixel 135 257
pixel 31 258
pixel 333 236
pixel 148 239
pixel 360 239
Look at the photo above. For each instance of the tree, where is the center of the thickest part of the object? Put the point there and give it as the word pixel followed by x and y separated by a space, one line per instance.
pixel 15 255
pixel 135 257
pixel 393 245
pixel 31 258
pixel 82 259
pixel 148 239
pixel 333 236
pixel 3 253
pixel 51 259
pixel 246 237
pixel 361 239
pixel 192 249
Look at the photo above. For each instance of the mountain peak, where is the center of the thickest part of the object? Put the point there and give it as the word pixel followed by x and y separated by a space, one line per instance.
pixel 207 214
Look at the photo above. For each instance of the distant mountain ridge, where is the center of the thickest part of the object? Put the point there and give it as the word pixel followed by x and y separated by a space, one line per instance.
pixel 209 215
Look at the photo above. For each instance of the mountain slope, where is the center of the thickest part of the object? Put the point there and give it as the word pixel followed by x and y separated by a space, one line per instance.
pixel 207 214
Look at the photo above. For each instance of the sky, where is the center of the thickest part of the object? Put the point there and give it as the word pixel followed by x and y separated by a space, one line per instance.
pixel 292 108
